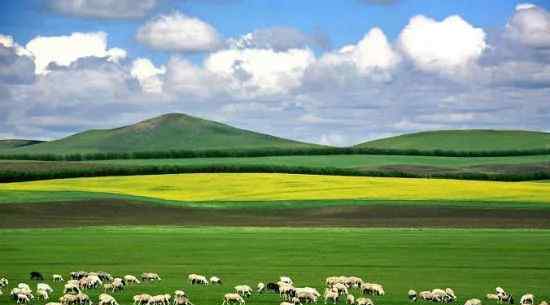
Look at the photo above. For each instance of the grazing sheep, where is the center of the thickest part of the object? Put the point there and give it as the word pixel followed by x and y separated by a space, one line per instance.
pixel 77 275
pixel 287 291
pixel 215 280
pixel 4 282
pixel 104 276
pixel 527 299
pixel 57 278
pixel 23 286
pixel 45 287
pixel 42 294
pixel 286 280
pixel 229 298
pixel 105 299
pixel 53 303
pixel 450 294
pixel 141 299
pixel 364 301
pixel 439 295
pixel 179 293
pixel 243 290
pixel 306 296
pixel 83 299
pixel 543 303
pixel 273 287
pixel 22 299
pixel 197 279
pixel 117 285
pixel 350 299
pixel 260 287
pixel 17 291
pixel 341 288
pixel 182 300
pixel 473 302
pixel 313 291
pixel 68 299
pixel 287 303
pixel 506 298
pixel 372 288
pixel 331 294
pixel 161 299
pixel 492 296
pixel 149 276
pixel 131 279
pixel 412 295
pixel 426 295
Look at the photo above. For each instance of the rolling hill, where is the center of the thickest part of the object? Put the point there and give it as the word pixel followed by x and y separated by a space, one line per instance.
pixel 172 131
pixel 14 143
pixel 465 140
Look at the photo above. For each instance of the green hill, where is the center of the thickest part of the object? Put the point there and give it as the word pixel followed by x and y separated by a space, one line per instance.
pixel 13 143
pixel 164 133
pixel 465 140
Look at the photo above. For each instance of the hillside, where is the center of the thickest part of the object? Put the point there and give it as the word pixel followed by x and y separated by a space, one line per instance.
pixel 13 143
pixel 164 133
pixel 465 140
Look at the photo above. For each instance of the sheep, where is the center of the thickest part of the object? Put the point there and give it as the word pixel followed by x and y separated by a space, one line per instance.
pixel 505 298
pixel 104 276
pixel 286 291
pixel 57 278
pixel 273 287
pixel 492 296
pixel 364 301
pixel 372 288
pixel 341 288
pixel 1 293
pixel 68 299
pixel 182 300
pixel 149 276
pixel 426 295
pixel 215 280
pixel 77 275
pixel 17 291
pixel 331 294
pixel 527 299
pixel 105 299
pixel 23 286
pixel 331 280
pixel 131 279
pixel 53 303
pixel 313 291
pixel 162 299
pixel 179 293
pixel 83 299
pixel 117 285
pixel 350 299
pixel 22 299
pixel 197 279
pixel 412 295
pixel 439 295
pixel 260 287
pixel 286 280
pixel 306 296
pixel 473 302
pixel 243 290
pixel 45 287
pixel 543 303
pixel 141 299
pixel 354 282
pixel 4 282
pixel 451 294
pixel 229 298
pixel 42 294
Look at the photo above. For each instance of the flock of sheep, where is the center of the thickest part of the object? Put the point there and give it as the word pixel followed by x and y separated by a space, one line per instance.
pixel 337 287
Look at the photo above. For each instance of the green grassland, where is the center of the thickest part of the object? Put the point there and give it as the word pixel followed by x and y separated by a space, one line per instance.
pixel 164 133
pixel 473 262
pixel 465 140
pixel 7 144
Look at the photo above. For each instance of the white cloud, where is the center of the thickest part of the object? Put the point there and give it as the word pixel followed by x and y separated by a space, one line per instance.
pixel 147 75
pixel 185 79
pixel 276 38
pixel 255 72
pixel 450 44
pixel 8 42
pixel 110 9
pixel 64 50
pixel 178 32
pixel 530 25
pixel 334 139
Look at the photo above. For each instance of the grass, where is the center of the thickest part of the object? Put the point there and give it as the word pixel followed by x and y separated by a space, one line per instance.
pixel 465 140
pixel 473 262
pixel 166 132
pixel 285 187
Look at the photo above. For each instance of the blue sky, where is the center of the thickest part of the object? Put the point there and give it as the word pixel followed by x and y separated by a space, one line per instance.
pixel 331 72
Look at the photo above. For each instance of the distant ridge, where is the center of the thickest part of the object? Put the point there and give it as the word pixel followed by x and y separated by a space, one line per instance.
pixel 14 143
pixel 464 140
pixel 173 131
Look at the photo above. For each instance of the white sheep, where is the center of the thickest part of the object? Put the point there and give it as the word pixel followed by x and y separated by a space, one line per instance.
pixel 150 276
pixel 364 301
pixel 243 290
pixel 57 278
pixel 230 298
pixel 182 300
pixel 215 280
pixel 83 299
pixel 45 287
pixel 331 294
pixel 350 299
pixel 306 296
pixel 372 288
pixel 68 299
pixel 131 279
pixel 23 286
pixel 473 302
pixel 341 288
pixel 141 299
pixel 105 299
pixel 287 280
pixel 426 295
pixel 42 294
pixel 492 296
pixel 527 299
pixel 22 299
pixel 4 282
pixel 53 303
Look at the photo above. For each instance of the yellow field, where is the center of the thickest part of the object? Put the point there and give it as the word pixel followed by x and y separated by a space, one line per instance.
pixel 273 187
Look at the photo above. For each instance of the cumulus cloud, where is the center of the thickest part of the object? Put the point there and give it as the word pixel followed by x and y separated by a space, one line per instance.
pixel 277 38
pixel 148 75
pixel 260 71
pixel 64 50
pixel 445 45
pixel 14 68
pixel 530 25
pixel 109 9
pixel 178 32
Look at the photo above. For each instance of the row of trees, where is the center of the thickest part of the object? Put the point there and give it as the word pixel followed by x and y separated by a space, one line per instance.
pixel 179 154
pixel 30 174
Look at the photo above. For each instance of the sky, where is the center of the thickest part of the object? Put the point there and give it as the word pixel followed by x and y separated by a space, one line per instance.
pixel 328 72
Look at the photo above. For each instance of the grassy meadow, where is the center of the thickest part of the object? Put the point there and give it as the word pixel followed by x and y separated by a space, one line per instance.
pixel 286 187
pixel 473 262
